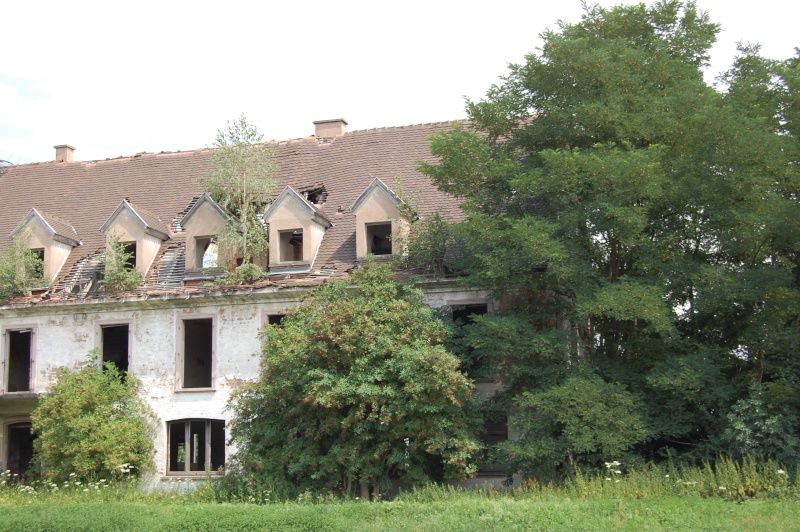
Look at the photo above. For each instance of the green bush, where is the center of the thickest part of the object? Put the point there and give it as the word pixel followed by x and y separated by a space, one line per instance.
pixel 93 426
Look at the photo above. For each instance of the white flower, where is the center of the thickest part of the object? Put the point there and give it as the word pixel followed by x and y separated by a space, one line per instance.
pixel 666 476
pixel 608 478
pixel 723 488
pixel 781 472
pixel 618 472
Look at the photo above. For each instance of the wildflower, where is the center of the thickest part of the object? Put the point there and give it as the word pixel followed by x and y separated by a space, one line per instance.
pixel 616 480
pixel 85 489
pixel 666 476
pixel 722 488
pixel 72 474
pixel 781 472
pixel 608 478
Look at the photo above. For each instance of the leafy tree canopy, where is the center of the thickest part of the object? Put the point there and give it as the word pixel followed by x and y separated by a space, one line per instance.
pixel 356 388
pixel 639 223
pixel 241 182
pixel 20 268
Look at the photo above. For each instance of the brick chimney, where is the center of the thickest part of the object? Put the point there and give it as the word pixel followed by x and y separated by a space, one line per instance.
pixel 330 128
pixel 64 153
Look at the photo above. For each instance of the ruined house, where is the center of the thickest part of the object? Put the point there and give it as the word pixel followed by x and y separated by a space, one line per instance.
pixel 191 343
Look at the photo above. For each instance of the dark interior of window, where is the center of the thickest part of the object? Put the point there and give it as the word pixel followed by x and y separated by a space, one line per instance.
pixel 197 353
pixel 19 361
pixel 379 238
pixel 130 250
pixel 291 245
pixel 494 432
pixel 472 362
pixel 275 319
pixel 196 445
pixel 115 346
pixel 19 448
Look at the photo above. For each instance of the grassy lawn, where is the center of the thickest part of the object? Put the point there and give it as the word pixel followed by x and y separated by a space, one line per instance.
pixel 465 512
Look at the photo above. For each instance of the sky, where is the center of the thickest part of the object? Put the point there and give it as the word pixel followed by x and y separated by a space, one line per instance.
pixel 119 78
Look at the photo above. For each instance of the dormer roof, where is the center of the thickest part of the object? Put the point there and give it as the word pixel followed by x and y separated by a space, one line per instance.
pixel 205 198
pixel 376 184
pixel 59 229
pixel 151 224
pixel 289 194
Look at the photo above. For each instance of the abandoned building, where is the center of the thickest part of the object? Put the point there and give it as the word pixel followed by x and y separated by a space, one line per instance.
pixel 188 341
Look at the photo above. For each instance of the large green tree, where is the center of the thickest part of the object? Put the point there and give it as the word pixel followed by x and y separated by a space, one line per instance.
pixel 356 388
pixel 242 180
pixel 642 228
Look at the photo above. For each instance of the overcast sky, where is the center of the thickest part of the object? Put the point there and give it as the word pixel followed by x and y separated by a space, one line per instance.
pixel 117 78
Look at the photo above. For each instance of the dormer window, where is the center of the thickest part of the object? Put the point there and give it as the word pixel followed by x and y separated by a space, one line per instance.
pixel 140 232
pixel 48 237
pixel 203 222
pixel 380 226
pixel 296 229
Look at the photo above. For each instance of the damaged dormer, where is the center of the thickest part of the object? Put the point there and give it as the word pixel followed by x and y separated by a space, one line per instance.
pixel 140 231
pixel 381 226
pixel 296 228
pixel 203 223
pixel 50 238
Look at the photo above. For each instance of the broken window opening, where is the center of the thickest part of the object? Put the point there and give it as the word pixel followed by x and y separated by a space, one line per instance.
pixel 291 245
pixel 316 196
pixel 472 363
pixel 197 352
pixel 275 319
pixel 18 372
pixel 115 346
pixel 19 448
pixel 379 238
pixel 39 254
pixel 206 252
pixel 196 446
pixel 129 248
pixel 494 432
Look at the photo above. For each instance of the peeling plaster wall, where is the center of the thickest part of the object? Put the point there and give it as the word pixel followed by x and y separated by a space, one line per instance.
pixel 64 335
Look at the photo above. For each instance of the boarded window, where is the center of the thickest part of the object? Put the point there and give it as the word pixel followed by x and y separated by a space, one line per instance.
pixel 18 370
pixel 115 346
pixel 196 446
pixel 379 238
pixel 197 353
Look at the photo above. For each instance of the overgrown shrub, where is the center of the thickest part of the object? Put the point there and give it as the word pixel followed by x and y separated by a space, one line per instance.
pixel 119 276
pixel 20 268
pixel 93 425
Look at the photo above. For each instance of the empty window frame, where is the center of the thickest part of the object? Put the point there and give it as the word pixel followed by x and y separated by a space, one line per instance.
pixel 205 252
pixel 379 238
pixel 196 446
pixel 18 448
pixel 463 314
pixel 196 358
pixel 115 345
pixel 39 254
pixel 471 361
pixel 494 432
pixel 18 360
pixel 291 245
pixel 275 319
pixel 130 250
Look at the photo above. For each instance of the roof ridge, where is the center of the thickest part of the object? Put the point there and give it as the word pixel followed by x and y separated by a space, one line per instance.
pixel 409 126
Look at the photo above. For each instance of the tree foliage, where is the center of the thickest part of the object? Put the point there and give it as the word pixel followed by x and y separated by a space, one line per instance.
pixel 241 182
pixel 120 275
pixel 94 425
pixel 356 388
pixel 20 268
pixel 651 218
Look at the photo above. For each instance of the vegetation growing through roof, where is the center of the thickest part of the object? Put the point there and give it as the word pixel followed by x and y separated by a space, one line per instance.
pixel 359 389
pixel 120 275
pixel 242 180
pixel 20 268
pixel 93 425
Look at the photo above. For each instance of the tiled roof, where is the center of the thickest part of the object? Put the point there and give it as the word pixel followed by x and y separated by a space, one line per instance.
pixel 164 186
